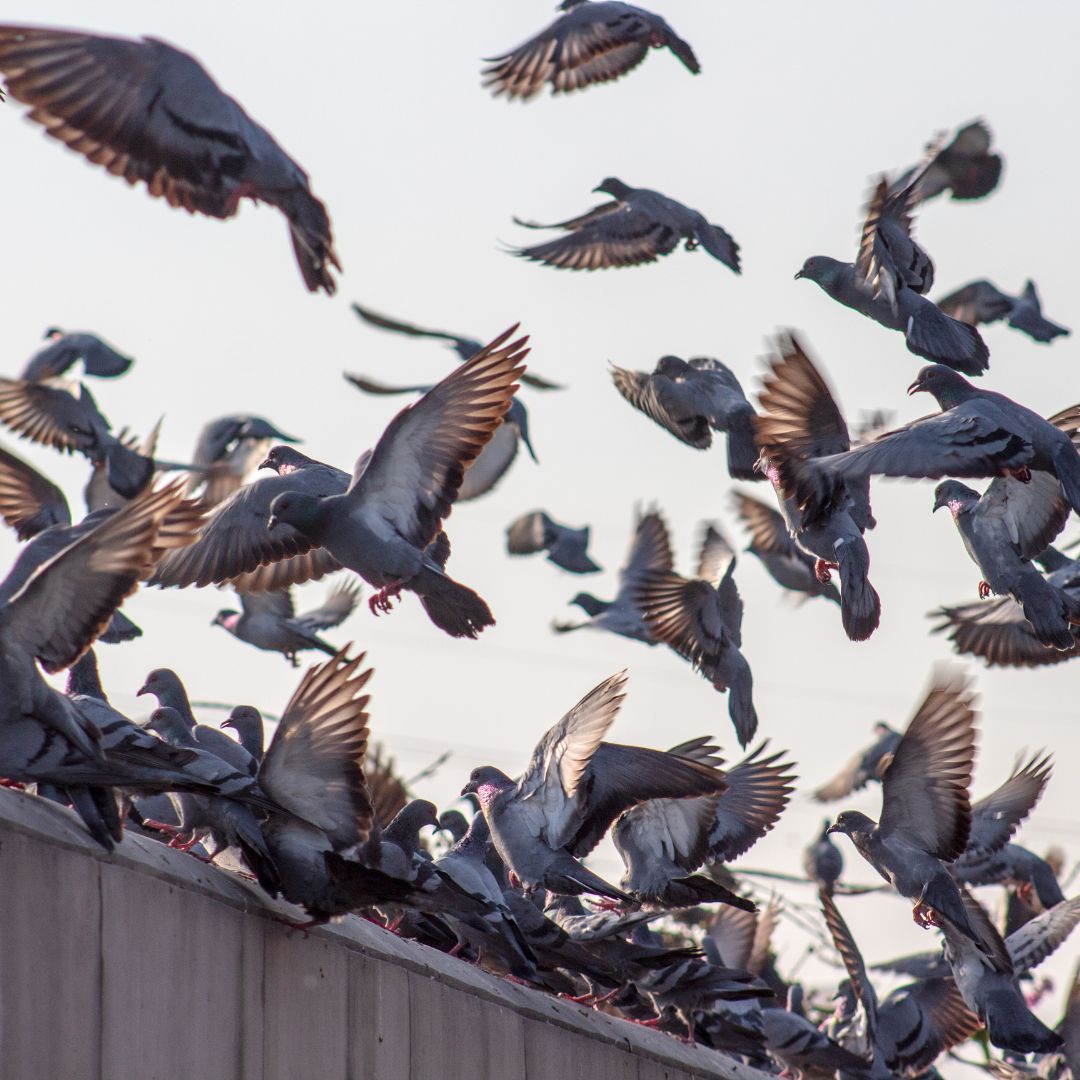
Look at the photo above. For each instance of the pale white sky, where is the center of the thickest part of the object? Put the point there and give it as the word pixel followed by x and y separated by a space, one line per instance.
pixel 797 107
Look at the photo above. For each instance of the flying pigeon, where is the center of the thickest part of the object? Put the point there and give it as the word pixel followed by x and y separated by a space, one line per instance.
pixel 865 766
pixel 268 620
pixel 1015 865
pixel 637 227
pixel 566 547
pixel 589 43
pixel 926 811
pixel 692 399
pixel 770 542
pixel 798 421
pixel 67 348
pixel 700 618
pixel 983 302
pixel 965 167
pixel 146 111
pixel 465 347
pixel 888 281
pixel 228 450
pixel 823 862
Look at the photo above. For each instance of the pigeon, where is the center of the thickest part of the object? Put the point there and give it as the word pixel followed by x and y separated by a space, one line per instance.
pixel 691 399
pixel 799 421
pixel 1002 529
pixel 770 542
pixel 997 631
pixel 637 227
pixel 67 348
pixel 865 766
pixel 965 167
pixel 700 618
pixel 983 302
pixel 926 811
pixel 823 862
pixel 650 550
pixel 269 622
pixel 465 347
pixel 228 450
pixel 566 547
pixel 399 495
pixel 575 787
pixel 146 111
pixel 247 722
pixel 492 463
pixel 592 42
pixel 888 282
pixel 793 1040
pixel 1013 864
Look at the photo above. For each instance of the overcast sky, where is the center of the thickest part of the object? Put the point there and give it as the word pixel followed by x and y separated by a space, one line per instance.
pixel 798 107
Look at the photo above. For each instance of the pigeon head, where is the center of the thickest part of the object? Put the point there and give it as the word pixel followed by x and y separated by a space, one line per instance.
pixel 227 618
pixel 296 508
pixel 822 269
pixel 169 724
pixel 614 187
pixel 244 720
pixel 284 460
pixel 956 496
pixel 881 729
pixel 589 604
pixel 567 5
pixel 404 830
pixel 53 333
pixel 486 782
pixel 948 387
pixel 852 823
pixel 671 366
pixel 453 822
pixel 163 683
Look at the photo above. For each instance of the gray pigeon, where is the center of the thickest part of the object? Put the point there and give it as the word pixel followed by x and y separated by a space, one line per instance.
pixel 247 722
pixel 799 421
pixel 399 495
pixel 823 862
pixel 650 550
pixel 589 43
pixel 865 766
pixel 983 302
pixel 692 399
pixel 965 168
pixel 575 787
pixel 492 463
pixel 926 811
pixel 787 564
pixel 1033 876
pixel 1002 530
pixel 465 347
pixel 794 1041
pixel 566 547
pixel 997 631
pixel 269 621
pixel 67 348
pixel 888 280
pixel 228 450
pixel 146 111
pixel 637 227
pixel 700 618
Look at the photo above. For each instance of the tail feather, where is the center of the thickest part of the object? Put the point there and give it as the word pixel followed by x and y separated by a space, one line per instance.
pixel 698 889
pixel 97 808
pixel 1067 463
pixel 452 607
pixel 1046 608
pixel 742 451
pixel 860 605
pixel 129 473
pixel 1012 1025
pixel 570 878
pixel 244 831
pixel 934 335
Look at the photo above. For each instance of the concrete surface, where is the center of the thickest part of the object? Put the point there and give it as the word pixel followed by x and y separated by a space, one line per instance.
pixel 148 965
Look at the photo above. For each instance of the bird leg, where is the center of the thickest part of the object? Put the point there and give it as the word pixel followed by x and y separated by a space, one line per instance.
pixel 160 826
pixel 1023 475
pixel 822 570
pixel 984 590
pixel 924 915
pixel 692 244
pixel 608 905
pixel 653 1023
pixel 380 602
pixel 15 785
pixel 303 927
pixel 241 191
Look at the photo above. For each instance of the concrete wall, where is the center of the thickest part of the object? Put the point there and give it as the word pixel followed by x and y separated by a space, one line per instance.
pixel 148 965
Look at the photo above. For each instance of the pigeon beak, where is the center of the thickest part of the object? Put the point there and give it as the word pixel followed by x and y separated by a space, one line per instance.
pixel 798 275
pixel 266 463
pixel 144 689
pixel 914 388
pixel 833 829
pixel 272 522
pixel 469 788
pixel 227 724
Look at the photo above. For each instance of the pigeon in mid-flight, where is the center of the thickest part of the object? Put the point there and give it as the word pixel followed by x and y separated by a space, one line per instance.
pixel 983 302
pixel 69 347
pixel 966 167
pixel 592 42
pixel 637 227
pixel 566 547
pixel 227 450
pixel 146 111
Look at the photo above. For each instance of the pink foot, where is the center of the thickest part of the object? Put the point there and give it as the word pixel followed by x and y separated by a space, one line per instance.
pixel 822 570
pixel 984 590
pixel 381 601
pixel 924 915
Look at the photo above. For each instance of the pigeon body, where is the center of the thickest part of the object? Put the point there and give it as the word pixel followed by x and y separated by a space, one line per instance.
pixel 147 111
pixel 823 862
pixel 566 547
pixel 983 302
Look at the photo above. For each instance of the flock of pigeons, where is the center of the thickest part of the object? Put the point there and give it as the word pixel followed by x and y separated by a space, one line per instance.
pixel 322 822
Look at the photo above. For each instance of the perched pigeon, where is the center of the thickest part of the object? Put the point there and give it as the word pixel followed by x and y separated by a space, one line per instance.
pixel 228 450
pixel 823 862
pixel 700 618
pixel 888 280
pixel 965 167
pixel 575 787
pixel 983 302
pixel 638 226
pixel 147 111
pixel 787 564
pixel 692 400
pixel 67 348
pixel 268 620
pixel 498 454
pixel 650 550
pixel 997 631
pixel 566 547
pixel 865 766
pixel 465 347
pixel 247 722
pixel 399 495
pixel 1004 528
pixel 799 421
pixel 590 43
pixel 926 811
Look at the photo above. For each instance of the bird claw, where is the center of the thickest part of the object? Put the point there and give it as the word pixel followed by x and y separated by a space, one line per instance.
pixel 380 603
pixel 1023 475
pixel 607 905
pixel 692 244
pixel 925 916
pixel 822 570
pixel 984 590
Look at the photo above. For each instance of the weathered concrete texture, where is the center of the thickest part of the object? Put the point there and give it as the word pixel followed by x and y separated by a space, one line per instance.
pixel 147 965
